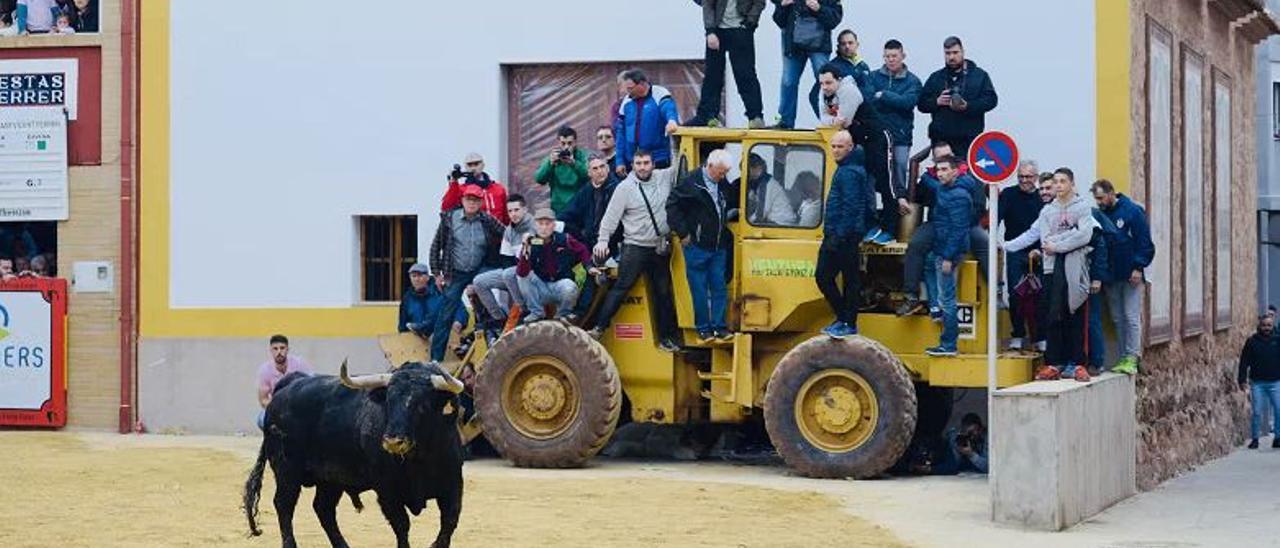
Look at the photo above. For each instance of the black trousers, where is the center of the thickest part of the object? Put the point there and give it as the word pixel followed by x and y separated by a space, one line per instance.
pixel 879 157
pixel 1068 333
pixel 639 261
pixel 841 257
pixel 740 46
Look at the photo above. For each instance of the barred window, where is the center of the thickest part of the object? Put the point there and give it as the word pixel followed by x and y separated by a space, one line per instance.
pixel 388 247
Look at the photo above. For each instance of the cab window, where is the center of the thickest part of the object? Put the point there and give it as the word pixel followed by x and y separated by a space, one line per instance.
pixel 784 185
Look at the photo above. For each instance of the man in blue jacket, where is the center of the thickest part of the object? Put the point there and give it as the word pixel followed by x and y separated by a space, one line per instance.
pixel 847 205
pixel 806 38
pixel 422 303
pixel 1131 253
pixel 646 118
pixel 894 91
pixel 958 97
pixel 952 216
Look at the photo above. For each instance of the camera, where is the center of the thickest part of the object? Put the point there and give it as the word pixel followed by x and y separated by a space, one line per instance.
pixel 955 95
pixel 456 174
pixel 565 154
pixel 964 440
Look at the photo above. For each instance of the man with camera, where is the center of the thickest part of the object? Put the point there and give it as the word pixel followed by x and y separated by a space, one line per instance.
pixel 958 97
pixel 966 448
pixel 564 170
pixel 493 196
pixel 545 268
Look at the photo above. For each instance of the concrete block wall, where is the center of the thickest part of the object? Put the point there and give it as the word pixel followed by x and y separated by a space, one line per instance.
pixel 92 233
pixel 1189 408
pixel 1062 451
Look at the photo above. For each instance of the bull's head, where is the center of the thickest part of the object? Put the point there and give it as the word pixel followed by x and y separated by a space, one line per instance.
pixel 419 397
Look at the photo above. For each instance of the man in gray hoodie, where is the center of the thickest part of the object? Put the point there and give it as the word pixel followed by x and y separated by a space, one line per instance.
pixel 503 279
pixel 639 205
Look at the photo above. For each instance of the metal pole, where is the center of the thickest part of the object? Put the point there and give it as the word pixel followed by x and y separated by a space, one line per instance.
pixel 993 202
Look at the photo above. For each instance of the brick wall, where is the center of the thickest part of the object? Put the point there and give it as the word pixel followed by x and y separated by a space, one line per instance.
pixel 1189 407
pixel 92 233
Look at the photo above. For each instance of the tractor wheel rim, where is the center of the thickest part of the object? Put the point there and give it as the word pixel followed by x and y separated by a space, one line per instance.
pixel 836 410
pixel 540 397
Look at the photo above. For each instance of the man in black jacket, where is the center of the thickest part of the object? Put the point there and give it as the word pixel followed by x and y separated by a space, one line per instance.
pixel 1260 371
pixel 958 97
pixel 697 211
pixel 581 219
pixel 1019 208
pixel 806 38
pixel 730 28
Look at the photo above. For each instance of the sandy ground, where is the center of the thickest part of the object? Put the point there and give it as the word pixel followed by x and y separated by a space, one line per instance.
pixel 63 489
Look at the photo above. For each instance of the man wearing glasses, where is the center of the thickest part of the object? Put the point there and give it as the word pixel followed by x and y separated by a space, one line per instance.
pixel 608 149
pixel 1019 208
pixel 492 193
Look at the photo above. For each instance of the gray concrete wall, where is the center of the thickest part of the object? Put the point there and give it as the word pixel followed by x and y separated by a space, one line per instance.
pixel 1062 451
pixel 209 385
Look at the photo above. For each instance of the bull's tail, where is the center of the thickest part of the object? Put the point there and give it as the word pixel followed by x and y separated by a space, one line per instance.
pixel 253 488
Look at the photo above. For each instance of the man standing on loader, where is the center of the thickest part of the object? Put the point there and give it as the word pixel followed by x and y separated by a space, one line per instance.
pixel 847 206
pixel 698 210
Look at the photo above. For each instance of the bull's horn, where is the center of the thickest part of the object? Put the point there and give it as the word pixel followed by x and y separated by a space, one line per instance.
pixel 447 383
pixel 363 382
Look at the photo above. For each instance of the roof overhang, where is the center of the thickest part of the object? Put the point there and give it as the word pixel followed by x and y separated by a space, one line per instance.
pixel 1250 18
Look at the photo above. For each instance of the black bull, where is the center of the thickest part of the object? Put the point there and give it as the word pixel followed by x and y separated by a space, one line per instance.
pixel 395 433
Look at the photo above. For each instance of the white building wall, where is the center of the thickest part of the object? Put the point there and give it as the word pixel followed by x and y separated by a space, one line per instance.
pixel 289 121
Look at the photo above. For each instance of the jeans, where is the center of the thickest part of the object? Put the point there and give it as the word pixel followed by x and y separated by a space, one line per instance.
pixel 740 46
pixel 919 246
pixel 444 322
pixel 1095 342
pixel 639 261
pixel 705 270
pixel 538 293
pixel 502 280
pixel 840 256
pixel 1125 303
pixel 1068 329
pixel 879 149
pixel 1264 393
pixel 901 164
pixel 792 67
pixel 1016 266
pixel 946 285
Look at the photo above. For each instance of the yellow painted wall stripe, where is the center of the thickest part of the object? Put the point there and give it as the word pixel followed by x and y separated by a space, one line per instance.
pixel 1114 126
pixel 157 318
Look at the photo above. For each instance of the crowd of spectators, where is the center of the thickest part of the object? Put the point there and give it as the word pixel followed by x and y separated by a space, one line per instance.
pixel 18 17
pixel 21 255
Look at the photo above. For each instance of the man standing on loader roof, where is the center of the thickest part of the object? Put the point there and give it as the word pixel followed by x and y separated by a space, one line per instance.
pixel 847 206
pixel 958 97
pixel 637 204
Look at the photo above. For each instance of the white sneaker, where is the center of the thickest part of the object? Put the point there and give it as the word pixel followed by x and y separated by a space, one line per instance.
pixel 1041 346
pixel 1015 343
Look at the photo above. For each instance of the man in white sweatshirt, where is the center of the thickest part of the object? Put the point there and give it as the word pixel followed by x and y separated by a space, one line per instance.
pixel 639 205
pixel 840 98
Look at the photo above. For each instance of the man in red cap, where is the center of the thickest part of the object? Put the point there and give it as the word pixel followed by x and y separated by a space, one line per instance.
pixel 466 244
pixel 493 195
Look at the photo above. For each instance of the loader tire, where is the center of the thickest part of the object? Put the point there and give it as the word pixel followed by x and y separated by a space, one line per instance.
pixel 840 408
pixel 548 396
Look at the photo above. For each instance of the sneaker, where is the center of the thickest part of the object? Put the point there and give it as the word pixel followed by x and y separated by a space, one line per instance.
pixel 531 318
pixel 871 236
pixel 595 333
pixel 668 345
pixel 697 121
pixel 491 336
pixel 568 318
pixel 1127 366
pixel 724 335
pixel 1015 343
pixel 1041 346
pixel 715 122
pixel 705 337
pixel 935 314
pixel 755 123
pixel 1081 374
pixel 940 351
pixel 843 330
pixel 883 238
pixel 1048 373
pixel 1253 443
pixel 912 305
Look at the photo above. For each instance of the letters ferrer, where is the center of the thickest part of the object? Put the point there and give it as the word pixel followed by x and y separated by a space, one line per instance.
pixel 37 89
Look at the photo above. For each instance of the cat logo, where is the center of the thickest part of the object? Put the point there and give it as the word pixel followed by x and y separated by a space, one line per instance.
pixel 633 301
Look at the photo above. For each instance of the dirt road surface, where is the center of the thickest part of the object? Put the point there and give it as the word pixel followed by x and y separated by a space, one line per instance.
pixel 103 490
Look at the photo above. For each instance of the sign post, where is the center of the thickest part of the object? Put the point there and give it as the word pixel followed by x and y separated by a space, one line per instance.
pixel 993 157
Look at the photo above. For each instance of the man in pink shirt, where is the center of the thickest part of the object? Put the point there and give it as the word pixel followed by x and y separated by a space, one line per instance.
pixel 271 371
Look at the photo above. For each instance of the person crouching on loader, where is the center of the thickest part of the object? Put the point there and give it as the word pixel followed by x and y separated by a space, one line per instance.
pixel 545 268
pixel 847 206
pixel 952 215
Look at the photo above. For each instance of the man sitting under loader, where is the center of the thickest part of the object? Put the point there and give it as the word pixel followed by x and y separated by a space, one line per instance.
pixel 545 268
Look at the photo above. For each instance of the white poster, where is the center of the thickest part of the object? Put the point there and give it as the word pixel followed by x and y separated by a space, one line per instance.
pixel 33 164
pixel 40 83
pixel 1160 185
pixel 26 350
pixel 1193 193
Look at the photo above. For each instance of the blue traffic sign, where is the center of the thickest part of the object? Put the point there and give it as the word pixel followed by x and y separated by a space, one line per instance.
pixel 993 157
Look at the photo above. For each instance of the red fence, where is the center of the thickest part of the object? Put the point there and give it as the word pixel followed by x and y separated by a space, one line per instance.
pixel 33 352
